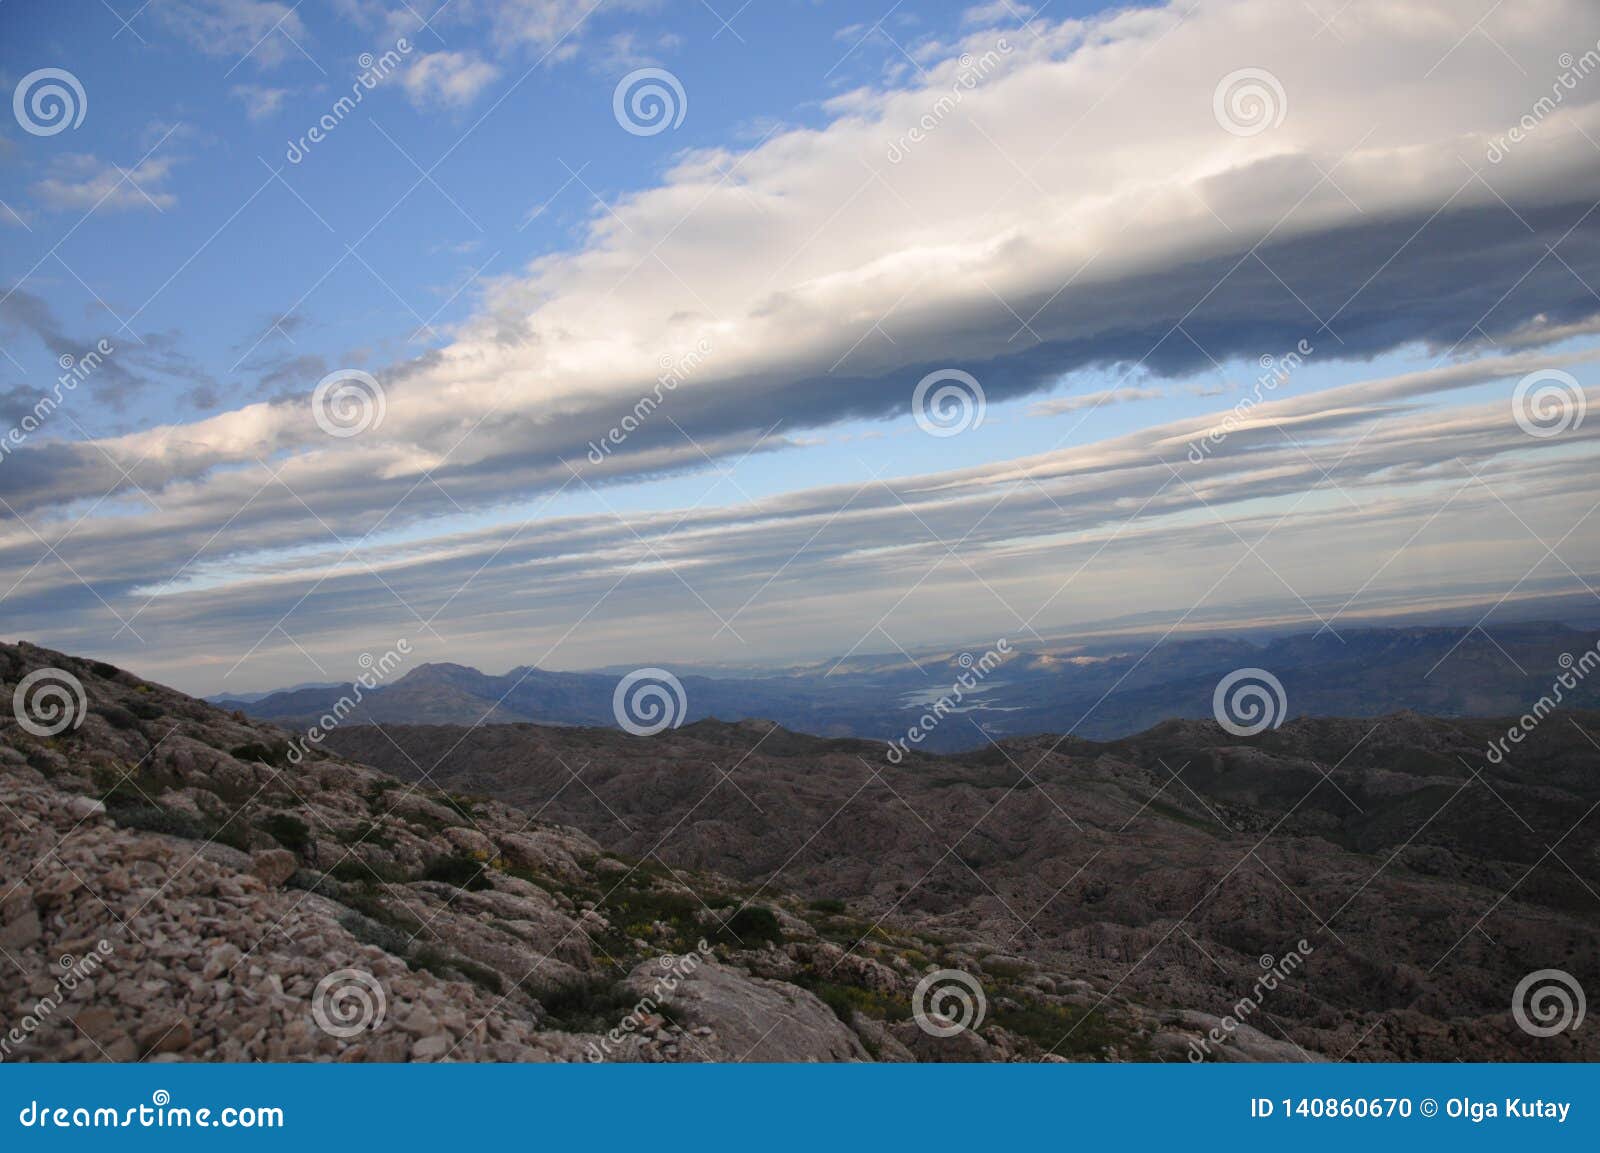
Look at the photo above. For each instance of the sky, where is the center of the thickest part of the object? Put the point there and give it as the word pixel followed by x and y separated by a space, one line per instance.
pixel 591 334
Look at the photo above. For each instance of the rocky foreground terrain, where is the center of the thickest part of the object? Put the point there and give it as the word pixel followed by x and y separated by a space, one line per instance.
pixel 176 887
pixel 177 883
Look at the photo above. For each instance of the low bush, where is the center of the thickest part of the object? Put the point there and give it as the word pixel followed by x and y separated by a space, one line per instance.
pixel 289 831
pixel 749 927
pixel 462 872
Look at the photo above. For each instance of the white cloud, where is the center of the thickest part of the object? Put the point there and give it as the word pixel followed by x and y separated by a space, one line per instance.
pixel 260 103
pixel 1094 400
pixel 82 181
pixel 544 24
pixel 996 12
pixel 451 79
pixel 1080 187
pixel 265 30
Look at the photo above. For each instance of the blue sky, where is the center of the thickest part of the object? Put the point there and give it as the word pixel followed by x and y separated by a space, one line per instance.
pixel 1059 203
pixel 526 162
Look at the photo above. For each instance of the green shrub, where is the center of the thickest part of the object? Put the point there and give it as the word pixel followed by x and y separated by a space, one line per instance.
pixel 462 872
pixel 846 1000
pixel 1052 1028
pixel 450 966
pixel 829 905
pixel 155 819
pixel 117 717
pixel 461 806
pixel 276 754
pixel 289 831
pixel 750 926
pixel 370 932
pixel 588 1007
pixel 354 871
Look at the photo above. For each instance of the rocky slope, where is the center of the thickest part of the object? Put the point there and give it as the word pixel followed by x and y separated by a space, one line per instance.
pixel 180 884
pixel 1427 880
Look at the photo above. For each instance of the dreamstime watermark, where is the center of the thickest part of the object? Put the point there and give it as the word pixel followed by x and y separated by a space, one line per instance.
pixel 647 701
pixel 1275 372
pixel 947 1002
pixel 1249 701
pixel 1548 403
pixel 374 70
pixel 74 371
pixel 75 971
pixel 648 101
pixel 1275 972
pixel 47 702
pixel 376 670
pixel 1547 1002
pixel 348 1002
pixel 674 371
pixel 675 970
pixel 1576 669
pixel 48 101
pixel 159 1114
pixel 1249 101
pixel 973 71
pixel 974 671
pixel 948 402
pixel 1573 69
pixel 348 403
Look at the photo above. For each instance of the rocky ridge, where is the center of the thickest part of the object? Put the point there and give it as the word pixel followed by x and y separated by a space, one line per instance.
pixel 237 905
pixel 1426 878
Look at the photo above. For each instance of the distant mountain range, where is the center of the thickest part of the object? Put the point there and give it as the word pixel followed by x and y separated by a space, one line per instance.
pixel 1102 690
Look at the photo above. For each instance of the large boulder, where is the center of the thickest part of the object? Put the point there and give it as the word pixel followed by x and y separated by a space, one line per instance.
pixel 749 1018
pixel 273 866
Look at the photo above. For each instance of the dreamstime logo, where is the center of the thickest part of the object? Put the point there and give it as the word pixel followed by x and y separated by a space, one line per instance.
pixel 649 700
pixel 49 701
pixel 347 1002
pixel 947 1002
pixel 48 101
pixel 951 408
pixel 675 970
pixel 1574 670
pixel 648 101
pixel 374 670
pixel 1274 972
pixel 374 71
pixel 973 671
pixel 75 971
pixel 1549 402
pixel 1249 701
pixel 348 403
pixel 674 371
pixel 1275 371
pixel 1547 1002
pixel 1249 101
pixel 1573 69
pixel 74 371
pixel 973 72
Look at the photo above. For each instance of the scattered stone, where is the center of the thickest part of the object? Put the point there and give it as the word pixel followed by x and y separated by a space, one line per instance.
pixel 273 866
